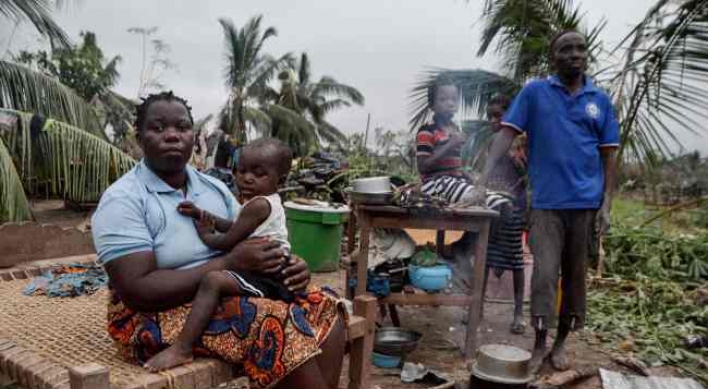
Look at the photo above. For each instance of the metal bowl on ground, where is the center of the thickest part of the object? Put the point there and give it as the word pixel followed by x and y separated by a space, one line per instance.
pixel 369 198
pixel 502 364
pixel 395 341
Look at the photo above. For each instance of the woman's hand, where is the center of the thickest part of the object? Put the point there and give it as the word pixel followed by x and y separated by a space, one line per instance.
pixel 297 274
pixel 256 255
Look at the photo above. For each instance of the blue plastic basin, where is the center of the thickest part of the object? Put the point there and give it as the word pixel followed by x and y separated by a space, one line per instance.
pixel 385 361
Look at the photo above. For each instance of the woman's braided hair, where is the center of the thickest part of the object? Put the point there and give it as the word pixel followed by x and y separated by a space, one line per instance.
pixel 141 109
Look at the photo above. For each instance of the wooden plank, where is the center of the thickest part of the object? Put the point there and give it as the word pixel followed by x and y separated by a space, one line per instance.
pixel 440 242
pixel 202 374
pixel 460 300
pixel 468 212
pixel 15 363
pixel 182 377
pixel 351 230
pixel 35 371
pixel 5 356
pixel 89 376
pixel 144 381
pixel 363 347
pixel 479 262
pixel 55 377
pixel 25 375
pixel 362 262
pixel 428 223
pixel 356 328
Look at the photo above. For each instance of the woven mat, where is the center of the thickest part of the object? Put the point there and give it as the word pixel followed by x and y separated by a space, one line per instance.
pixel 67 331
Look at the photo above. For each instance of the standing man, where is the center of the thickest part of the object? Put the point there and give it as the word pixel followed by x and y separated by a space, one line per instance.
pixel 572 137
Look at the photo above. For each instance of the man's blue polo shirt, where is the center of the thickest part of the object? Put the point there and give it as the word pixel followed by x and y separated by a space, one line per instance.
pixel 565 134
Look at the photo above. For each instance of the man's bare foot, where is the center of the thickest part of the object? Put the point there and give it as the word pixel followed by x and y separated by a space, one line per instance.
pixel 537 357
pixel 169 358
pixel 559 358
pixel 518 327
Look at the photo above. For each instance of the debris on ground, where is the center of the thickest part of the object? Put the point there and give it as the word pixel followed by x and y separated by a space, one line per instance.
pixel 418 373
pixel 557 380
pixel 68 281
pixel 646 305
pixel 614 380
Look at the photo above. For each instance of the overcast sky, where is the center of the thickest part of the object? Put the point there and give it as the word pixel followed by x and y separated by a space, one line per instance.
pixel 378 46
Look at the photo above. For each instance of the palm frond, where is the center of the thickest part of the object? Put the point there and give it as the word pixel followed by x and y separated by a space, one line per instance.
pixel 663 88
pixel 293 129
pixel 37 12
pixel 14 206
pixel 79 165
pixel 476 89
pixel 25 90
pixel 333 105
pixel 259 119
pixel 304 71
pixel 522 30
pixel 480 135
pixel 82 165
pixel 234 54
pixel 266 71
pixel 200 123
pixel 331 134
pixel 328 86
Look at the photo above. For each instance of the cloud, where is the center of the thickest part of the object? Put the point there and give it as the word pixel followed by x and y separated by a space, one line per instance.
pixel 378 46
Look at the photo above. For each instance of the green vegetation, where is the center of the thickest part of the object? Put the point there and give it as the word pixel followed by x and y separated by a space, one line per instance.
pixel 82 68
pixel 653 293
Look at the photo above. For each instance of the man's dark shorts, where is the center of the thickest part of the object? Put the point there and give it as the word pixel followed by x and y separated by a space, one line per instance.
pixel 560 241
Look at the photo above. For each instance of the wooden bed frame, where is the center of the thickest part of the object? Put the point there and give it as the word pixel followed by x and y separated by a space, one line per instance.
pixel 32 370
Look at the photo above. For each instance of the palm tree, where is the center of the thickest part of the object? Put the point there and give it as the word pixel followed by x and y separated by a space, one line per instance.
pixel 247 74
pixel 310 101
pixel 522 31
pixel 37 12
pixel 660 86
pixel 48 134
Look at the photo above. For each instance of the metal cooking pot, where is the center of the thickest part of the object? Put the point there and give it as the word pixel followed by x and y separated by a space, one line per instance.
pixel 502 364
pixel 372 185
pixel 368 198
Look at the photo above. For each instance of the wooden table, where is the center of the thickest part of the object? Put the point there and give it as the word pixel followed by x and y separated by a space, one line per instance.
pixel 468 219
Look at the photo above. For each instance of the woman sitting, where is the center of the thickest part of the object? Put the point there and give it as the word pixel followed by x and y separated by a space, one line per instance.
pixel 155 261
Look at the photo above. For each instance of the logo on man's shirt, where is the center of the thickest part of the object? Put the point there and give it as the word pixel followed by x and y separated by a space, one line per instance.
pixel 592 110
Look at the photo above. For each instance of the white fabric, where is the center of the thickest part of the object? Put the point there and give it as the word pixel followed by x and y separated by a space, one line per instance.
pixel 274 227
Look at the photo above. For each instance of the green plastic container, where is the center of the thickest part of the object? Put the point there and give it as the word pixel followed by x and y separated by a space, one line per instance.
pixel 315 234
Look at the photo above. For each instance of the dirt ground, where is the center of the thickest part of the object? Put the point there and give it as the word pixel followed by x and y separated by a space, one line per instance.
pixel 53 212
pixel 442 327
pixel 443 333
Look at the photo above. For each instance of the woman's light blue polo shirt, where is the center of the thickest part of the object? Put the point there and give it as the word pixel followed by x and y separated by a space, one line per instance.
pixel 138 213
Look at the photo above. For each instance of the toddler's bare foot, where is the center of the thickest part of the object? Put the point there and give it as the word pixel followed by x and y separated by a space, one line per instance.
pixel 559 358
pixel 169 358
